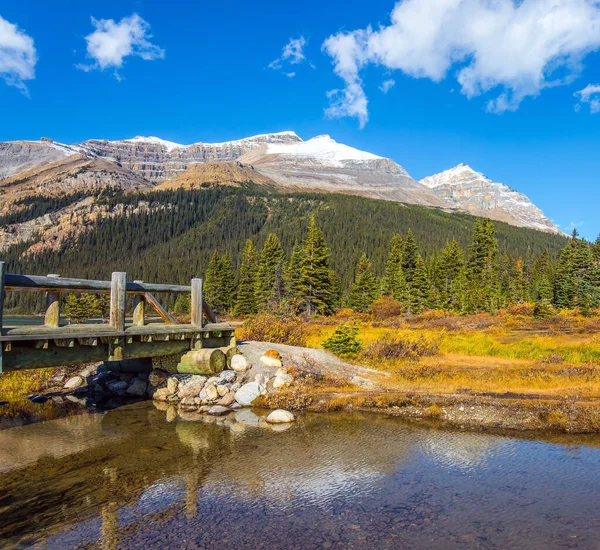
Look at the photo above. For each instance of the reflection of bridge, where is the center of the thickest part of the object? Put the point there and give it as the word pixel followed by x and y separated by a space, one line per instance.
pixel 54 345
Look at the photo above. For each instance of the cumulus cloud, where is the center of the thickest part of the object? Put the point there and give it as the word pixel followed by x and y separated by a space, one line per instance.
pixel 292 53
pixel 590 95
pixel 112 42
pixel 513 48
pixel 17 55
pixel 387 85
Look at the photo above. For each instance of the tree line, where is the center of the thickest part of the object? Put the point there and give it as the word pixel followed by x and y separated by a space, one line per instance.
pixel 482 280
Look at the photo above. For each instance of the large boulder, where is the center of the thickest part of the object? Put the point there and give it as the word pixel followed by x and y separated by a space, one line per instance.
pixel 271 358
pixel 248 393
pixel 239 363
pixel 192 386
pixel 137 387
pixel 280 416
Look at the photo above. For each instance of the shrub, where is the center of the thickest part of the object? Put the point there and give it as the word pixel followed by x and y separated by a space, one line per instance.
pixel 343 341
pixel 404 347
pixel 386 307
pixel 266 327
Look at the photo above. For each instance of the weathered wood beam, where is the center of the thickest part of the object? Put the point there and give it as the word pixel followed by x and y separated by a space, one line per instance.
pixel 196 302
pixel 19 282
pixel 52 317
pixel 164 314
pixel 139 309
pixel 210 314
pixel 118 300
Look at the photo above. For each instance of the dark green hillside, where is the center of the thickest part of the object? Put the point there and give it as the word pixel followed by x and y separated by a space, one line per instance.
pixel 176 240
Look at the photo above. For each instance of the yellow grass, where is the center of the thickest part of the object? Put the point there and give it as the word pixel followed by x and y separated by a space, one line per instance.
pixel 14 385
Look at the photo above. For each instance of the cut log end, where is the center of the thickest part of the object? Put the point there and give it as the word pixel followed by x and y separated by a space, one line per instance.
pixel 203 361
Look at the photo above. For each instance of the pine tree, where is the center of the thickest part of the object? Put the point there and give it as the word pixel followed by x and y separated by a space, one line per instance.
pixel 482 268
pixel 226 280
pixel 420 288
pixel 410 256
pixel 182 304
pixel 78 309
pixel 519 292
pixel 449 277
pixel 246 296
pixel 211 282
pixel 293 273
pixel 364 290
pixel 315 284
pixel 394 283
pixel 269 289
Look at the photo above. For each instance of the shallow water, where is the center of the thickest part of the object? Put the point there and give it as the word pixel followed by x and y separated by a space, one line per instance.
pixel 128 478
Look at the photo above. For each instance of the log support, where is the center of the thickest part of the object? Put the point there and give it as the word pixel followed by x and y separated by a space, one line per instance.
pixel 52 317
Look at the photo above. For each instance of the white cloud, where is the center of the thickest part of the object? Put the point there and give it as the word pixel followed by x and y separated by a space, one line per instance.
pixel 17 55
pixel 290 75
pixel 112 42
pixel 590 94
pixel 516 48
pixel 387 85
pixel 292 53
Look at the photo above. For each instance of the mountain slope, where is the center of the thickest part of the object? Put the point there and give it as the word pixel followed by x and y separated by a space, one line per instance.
pixel 323 165
pixel 211 174
pixel 463 188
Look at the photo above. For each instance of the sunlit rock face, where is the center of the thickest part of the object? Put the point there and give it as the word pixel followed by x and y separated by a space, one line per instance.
pixel 465 189
pixel 158 160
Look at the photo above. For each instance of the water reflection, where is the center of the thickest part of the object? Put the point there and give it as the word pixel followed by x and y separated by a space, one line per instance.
pixel 131 478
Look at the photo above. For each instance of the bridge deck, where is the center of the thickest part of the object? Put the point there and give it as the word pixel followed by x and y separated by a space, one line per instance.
pixel 40 332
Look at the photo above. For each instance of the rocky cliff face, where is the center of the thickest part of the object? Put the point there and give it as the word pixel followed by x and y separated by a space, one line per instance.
pixel 157 160
pixel 20 156
pixel 465 189
pixel 323 165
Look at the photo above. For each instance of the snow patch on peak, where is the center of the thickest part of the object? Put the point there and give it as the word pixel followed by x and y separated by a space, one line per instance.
pixel 322 149
pixel 456 176
pixel 168 145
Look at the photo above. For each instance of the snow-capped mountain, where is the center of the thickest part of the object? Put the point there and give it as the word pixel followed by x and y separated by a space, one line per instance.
pixel 319 164
pixel 324 165
pixel 463 188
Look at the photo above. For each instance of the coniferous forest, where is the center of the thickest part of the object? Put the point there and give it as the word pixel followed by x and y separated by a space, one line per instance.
pixel 314 253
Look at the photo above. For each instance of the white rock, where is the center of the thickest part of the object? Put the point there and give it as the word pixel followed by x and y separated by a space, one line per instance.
pixel 211 392
pixel 192 386
pixel 248 393
pixel 272 362
pixel 280 416
pixel 137 387
pixel 222 390
pixel 282 380
pixel 172 385
pixel 73 383
pixel 90 369
pixel 262 378
pixel 239 363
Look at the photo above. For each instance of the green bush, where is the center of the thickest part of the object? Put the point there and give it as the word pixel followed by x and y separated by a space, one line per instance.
pixel 343 341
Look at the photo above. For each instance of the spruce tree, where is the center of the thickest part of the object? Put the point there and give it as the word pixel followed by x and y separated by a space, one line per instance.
pixel 212 281
pixel 246 295
pixel 269 286
pixel 482 268
pixel 420 288
pixel 226 279
pixel 364 290
pixel 315 285
pixel 293 273
pixel 449 277
pixel 410 256
pixel 394 282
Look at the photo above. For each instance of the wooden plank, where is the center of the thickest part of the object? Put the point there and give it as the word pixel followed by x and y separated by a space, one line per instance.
pixel 17 282
pixel 2 279
pixel 139 308
pixel 164 314
pixel 117 300
pixel 52 318
pixel 196 302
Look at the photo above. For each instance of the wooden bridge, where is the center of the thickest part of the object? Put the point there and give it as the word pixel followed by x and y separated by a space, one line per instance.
pixel 49 345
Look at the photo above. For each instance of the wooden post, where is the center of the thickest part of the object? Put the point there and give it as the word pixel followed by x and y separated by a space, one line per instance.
pixel 196 302
pixel 139 308
pixel 52 318
pixel 117 300
pixel 2 274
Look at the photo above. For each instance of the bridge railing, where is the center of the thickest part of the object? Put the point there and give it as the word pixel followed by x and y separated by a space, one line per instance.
pixel 117 287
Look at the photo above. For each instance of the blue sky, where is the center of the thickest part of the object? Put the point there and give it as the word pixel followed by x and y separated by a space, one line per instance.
pixel 490 86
